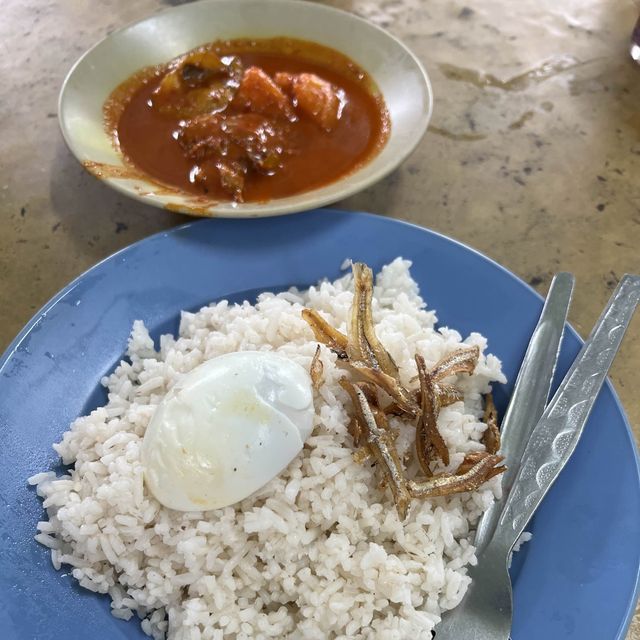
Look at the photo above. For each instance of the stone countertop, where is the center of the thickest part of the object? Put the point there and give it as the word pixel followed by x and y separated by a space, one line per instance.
pixel 532 156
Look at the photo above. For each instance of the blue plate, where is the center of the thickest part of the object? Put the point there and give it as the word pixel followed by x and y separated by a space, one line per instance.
pixel 576 579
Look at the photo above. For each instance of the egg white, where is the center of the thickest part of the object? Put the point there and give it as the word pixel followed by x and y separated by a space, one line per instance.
pixel 226 429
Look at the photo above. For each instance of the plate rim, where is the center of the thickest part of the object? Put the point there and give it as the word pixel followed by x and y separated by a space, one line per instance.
pixel 42 312
pixel 231 210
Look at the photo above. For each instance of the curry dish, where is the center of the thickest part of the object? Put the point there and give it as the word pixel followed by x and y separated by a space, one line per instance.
pixel 249 120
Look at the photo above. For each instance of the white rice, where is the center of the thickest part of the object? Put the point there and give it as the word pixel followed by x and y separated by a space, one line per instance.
pixel 317 553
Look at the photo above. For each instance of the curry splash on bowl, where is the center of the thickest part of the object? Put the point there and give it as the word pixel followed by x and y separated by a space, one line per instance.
pixel 248 120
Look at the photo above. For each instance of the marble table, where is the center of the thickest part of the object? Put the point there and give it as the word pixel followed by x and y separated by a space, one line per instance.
pixel 532 157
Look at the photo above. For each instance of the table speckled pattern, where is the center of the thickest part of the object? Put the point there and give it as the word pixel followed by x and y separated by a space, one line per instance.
pixel 532 156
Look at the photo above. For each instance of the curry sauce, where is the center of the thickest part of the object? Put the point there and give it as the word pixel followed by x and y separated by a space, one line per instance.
pixel 249 120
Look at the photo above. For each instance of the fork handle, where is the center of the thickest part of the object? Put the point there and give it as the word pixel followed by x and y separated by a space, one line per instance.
pixel 530 394
pixel 556 435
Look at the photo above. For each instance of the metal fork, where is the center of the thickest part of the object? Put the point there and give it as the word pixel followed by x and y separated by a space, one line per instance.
pixel 530 393
pixel 486 611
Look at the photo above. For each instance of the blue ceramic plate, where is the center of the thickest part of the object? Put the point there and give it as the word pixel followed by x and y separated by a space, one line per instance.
pixel 577 579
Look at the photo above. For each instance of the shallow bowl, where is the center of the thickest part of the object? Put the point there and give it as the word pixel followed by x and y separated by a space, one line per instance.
pixel 398 74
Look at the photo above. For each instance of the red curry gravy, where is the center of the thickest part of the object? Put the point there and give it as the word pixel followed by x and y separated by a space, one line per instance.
pixel 237 148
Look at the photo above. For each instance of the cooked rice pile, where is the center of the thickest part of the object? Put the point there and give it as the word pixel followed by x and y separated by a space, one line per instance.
pixel 319 552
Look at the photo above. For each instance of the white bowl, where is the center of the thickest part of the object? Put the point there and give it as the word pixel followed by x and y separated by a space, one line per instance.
pixel 399 75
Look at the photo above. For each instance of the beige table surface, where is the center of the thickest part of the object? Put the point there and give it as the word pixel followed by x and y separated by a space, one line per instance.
pixel 532 157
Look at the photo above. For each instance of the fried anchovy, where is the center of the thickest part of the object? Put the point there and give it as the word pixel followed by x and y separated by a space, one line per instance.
pixel 317 370
pixel 380 441
pixel 447 394
pixel 389 385
pixel 393 409
pixel 491 437
pixel 356 426
pixel 368 389
pixel 364 344
pixel 355 431
pixel 472 459
pixel 459 361
pixel 325 333
pixel 496 471
pixel 362 455
pixel 429 443
pixel 358 347
pixel 372 435
pixel 445 484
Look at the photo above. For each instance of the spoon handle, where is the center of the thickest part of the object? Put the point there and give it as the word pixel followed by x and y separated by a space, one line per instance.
pixel 556 435
pixel 530 394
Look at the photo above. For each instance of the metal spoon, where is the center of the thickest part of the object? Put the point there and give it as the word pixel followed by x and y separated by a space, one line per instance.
pixel 530 393
pixel 486 611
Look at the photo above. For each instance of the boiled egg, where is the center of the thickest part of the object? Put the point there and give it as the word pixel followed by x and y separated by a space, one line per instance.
pixel 226 429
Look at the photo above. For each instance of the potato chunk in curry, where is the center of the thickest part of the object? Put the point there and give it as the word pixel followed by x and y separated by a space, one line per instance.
pixel 198 82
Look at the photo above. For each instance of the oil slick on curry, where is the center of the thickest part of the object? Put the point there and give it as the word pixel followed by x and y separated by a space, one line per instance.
pixel 248 120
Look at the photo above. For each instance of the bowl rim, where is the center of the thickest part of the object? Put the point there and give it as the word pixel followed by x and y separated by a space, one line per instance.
pixel 339 189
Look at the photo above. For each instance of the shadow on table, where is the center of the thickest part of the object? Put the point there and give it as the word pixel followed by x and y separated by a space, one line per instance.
pixel 97 219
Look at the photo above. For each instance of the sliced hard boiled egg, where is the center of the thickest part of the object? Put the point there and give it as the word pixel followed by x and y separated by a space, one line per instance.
pixel 226 429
